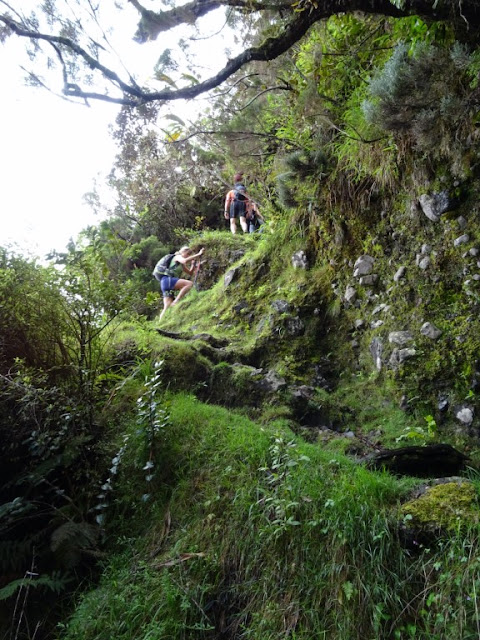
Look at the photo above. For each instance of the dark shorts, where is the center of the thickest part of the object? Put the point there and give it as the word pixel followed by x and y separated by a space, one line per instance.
pixel 167 284
pixel 238 209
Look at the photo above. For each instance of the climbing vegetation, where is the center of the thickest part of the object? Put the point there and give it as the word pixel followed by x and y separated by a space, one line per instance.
pixel 209 476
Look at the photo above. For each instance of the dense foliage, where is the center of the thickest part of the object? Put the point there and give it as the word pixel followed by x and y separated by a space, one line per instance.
pixel 72 39
pixel 256 524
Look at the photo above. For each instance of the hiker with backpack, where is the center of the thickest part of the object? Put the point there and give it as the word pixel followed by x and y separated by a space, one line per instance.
pixel 236 203
pixel 168 271
pixel 254 217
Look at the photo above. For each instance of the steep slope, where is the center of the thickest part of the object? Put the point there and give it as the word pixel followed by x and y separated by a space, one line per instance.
pixel 263 504
pixel 222 527
pixel 240 530
pixel 298 325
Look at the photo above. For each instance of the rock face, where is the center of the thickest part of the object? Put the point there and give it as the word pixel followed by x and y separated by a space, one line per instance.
pixel 431 461
pixel 370 279
pixel 281 306
pixel 294 326
pixel 424 263
pixel 463 239
pixel 393 301
pixel 350 294
pixel 430 331
pixel 376 349
pixel 446 506
pixel 363 266
pixel 434 205
pixel 299 260
pixel 218 263
pixel 272 382
pixel 230 276
pixel 464 413
pixel 399 356
pixel 400 338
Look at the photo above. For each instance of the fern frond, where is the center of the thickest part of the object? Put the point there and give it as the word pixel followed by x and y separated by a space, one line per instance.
pixel 55 582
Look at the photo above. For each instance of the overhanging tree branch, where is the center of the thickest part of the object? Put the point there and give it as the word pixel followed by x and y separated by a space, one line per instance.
pixel 466 13
pixel 281 87
pixel 152 24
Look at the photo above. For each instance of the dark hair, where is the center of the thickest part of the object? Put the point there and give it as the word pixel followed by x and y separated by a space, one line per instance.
pixel 238 177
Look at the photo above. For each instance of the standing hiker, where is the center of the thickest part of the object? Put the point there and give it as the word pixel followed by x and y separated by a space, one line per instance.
pixel 168 271
pixel 236 204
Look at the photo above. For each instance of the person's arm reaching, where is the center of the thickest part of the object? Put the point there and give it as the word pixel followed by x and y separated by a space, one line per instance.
pixel 184 261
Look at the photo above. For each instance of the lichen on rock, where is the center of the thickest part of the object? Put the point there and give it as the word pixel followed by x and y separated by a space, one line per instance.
pixel 444 507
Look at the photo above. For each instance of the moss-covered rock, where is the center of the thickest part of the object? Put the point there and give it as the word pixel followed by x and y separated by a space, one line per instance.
pixel 444 507
pixel 184 368
pixel 235 385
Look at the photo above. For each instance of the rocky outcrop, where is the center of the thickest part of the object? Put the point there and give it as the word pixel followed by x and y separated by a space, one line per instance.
pixel 434 205
pixel 442 507
pixel 299 260
pixel 430 461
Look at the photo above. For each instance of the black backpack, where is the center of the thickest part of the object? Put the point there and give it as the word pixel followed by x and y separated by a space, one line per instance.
pixel 162 268
pixel 239 192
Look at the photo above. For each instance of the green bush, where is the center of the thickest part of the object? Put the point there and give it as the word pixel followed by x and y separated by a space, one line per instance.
pixel 423 92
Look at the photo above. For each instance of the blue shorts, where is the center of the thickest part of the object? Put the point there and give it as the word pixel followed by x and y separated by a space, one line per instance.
pixel 167 283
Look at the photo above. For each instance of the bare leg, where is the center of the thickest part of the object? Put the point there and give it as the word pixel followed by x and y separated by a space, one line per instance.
pixel 183 287
pixel 167 302
pixel 233 225
pixel 243 222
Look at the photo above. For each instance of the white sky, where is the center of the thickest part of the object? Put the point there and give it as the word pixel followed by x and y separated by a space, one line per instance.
pixel 52 150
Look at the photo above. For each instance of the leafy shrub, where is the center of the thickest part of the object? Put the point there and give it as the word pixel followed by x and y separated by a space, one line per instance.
pixel 424 94
pixel 300 164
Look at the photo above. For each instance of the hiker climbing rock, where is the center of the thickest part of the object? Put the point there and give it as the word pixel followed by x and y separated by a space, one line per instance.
pixel 168 270
pixel 236 204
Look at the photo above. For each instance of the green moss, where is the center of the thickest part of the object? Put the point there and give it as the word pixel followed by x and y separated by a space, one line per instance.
pixel 234 385
pixel 446 506
pixel 274 413
pixel 184 368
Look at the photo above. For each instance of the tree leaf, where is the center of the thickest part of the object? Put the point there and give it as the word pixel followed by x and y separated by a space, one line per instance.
pixel 164 78
pixel 171 116
pixel 187 76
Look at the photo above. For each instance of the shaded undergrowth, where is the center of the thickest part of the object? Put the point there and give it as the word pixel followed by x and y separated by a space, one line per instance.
pixel 260 535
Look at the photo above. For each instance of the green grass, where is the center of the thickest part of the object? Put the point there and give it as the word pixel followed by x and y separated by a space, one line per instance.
pixel 258 534
pixel 370 406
